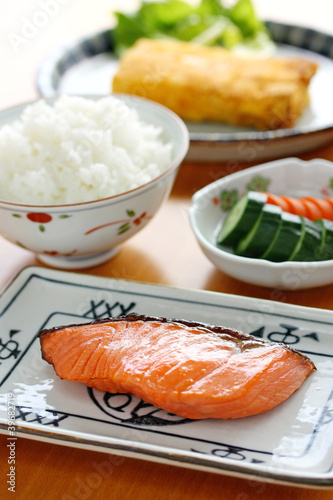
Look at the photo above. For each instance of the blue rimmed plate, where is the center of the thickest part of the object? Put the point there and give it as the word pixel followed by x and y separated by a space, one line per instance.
pixel 87 67
pixel 291 444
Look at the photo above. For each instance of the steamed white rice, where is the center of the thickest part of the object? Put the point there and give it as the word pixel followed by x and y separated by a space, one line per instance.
pixel 78 150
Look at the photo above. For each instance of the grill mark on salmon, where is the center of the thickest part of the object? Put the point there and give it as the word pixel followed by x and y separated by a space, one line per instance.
pixel 192 369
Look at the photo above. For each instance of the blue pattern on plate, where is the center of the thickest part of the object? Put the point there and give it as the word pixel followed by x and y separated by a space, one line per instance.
pixel 55 65
pixel 304 38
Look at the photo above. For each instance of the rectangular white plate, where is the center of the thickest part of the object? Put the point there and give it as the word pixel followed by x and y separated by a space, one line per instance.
pixel 292 443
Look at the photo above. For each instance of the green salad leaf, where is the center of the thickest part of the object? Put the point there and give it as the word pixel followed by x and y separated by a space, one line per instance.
pixel 209 23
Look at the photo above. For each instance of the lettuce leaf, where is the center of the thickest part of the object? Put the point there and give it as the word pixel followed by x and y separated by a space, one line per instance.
pixel 209 23
pixel 244 16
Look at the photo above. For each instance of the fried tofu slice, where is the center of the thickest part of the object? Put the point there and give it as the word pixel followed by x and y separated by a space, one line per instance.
pixel 212 84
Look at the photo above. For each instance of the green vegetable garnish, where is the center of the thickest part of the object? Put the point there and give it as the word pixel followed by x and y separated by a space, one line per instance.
pixel 209 23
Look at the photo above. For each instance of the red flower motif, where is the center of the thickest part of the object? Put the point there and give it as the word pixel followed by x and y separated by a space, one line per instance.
pixel 39 217
pixel 55 253
pixel 325 191
pixel 125 224
pixel 138 220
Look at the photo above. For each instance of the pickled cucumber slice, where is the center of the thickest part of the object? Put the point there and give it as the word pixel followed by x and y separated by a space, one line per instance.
pixel 326 250
pixel 309 246
pixel 257 240
pixel 241 218
pixel 286 238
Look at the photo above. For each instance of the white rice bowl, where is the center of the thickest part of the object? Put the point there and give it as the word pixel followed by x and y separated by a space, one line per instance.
pixel 78 150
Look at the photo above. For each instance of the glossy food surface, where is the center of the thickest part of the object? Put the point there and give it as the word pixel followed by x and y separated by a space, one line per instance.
pixel 191 369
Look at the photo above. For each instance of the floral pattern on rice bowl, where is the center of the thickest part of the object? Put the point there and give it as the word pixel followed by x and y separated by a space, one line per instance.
pixel 123 225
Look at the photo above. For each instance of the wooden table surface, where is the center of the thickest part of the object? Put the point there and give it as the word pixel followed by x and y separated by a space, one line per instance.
pixel 165 252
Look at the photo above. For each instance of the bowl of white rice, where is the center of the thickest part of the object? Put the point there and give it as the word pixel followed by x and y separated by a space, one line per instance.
pixel 80 175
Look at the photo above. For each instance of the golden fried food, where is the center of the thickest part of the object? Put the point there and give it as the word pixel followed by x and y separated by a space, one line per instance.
pixel 212 84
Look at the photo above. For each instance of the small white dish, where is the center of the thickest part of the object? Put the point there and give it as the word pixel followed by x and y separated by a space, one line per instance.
pixel 289 176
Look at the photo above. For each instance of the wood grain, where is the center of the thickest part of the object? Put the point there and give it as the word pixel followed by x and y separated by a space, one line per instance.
pixel 54 472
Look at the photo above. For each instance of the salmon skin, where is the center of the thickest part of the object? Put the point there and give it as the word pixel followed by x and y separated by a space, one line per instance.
pixel 194 370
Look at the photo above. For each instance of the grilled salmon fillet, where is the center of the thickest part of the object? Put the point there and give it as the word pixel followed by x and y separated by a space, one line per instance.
pixel 212 84
pixel 191 369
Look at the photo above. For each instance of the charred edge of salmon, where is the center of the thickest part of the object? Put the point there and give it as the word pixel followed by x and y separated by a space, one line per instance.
pixel 220 331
